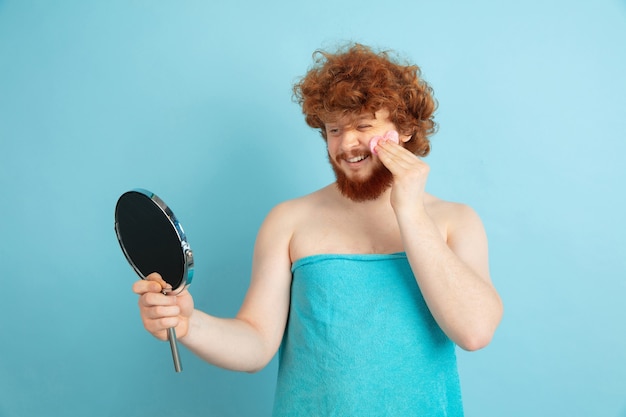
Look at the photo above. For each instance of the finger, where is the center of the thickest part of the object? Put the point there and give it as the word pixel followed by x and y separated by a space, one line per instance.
pixel 143 286
pixel 169 322
pixel 152 299
pixel 394 148
pixel 158 327
pixel 156 277
pixel 161 312
pixel 396 156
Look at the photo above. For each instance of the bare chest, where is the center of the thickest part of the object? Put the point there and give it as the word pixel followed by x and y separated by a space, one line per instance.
pixel 323 233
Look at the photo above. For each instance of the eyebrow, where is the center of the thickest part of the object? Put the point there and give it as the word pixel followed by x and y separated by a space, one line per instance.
pixel 352 120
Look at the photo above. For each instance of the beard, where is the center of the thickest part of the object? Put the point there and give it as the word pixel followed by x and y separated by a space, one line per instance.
pixel 365 189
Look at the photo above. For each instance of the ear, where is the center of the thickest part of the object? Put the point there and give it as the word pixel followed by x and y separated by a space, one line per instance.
pixel 405 139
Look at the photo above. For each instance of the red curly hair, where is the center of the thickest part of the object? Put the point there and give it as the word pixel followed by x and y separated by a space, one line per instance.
pixel 355 80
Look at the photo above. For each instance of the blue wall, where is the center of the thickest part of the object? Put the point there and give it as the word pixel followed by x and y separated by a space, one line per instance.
pixel 192 99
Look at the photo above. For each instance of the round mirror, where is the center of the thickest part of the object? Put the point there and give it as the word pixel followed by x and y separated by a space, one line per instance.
pixel 153 240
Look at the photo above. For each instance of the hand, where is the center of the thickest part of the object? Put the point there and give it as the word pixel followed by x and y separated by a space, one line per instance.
pixel 409 172
pixel 160 312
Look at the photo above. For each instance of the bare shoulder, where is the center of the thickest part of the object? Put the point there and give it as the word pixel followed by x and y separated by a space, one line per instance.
pixel 453 217
pixel 288 215
pixel 301 222
pixel 290 211
pixel 464 233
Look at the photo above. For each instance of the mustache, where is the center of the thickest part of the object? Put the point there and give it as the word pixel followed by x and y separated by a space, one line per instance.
pixel 341 156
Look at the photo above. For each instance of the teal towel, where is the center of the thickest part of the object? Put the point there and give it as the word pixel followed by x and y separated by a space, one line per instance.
pixel 360 341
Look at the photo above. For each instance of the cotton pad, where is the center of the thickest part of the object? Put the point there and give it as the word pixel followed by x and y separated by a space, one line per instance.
pixel 391 135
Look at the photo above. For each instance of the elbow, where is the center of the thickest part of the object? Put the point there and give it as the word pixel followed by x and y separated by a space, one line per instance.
pixel 260 361
pixel 249 362
pixel 256 368
pixel 242 366
pixel 475 341
pixel 480 336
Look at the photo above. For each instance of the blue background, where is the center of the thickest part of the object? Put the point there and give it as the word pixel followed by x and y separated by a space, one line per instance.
pixel 192 100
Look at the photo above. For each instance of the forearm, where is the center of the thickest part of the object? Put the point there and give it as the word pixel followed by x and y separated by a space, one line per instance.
pixel 464 303
pixel 227 343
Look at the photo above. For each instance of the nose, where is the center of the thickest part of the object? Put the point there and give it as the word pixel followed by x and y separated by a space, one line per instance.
pixel 349 140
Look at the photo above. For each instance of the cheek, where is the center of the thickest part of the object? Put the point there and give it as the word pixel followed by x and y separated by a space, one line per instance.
pixel 332 146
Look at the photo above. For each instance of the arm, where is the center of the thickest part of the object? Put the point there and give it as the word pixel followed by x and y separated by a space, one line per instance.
pixel 452 271
pixel 248 341
pixel 454 276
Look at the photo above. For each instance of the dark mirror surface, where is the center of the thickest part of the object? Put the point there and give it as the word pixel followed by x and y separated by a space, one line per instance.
pixel 149 238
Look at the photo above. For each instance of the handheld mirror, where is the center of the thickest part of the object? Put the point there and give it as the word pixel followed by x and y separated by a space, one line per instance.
pixel 153 240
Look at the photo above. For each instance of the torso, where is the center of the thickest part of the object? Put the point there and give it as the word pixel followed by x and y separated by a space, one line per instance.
pixel 325 222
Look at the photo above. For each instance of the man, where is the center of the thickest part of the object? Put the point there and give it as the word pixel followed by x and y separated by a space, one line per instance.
pixel 365 285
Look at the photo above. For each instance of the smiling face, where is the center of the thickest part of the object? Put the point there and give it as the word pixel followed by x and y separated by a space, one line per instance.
pixel 360 174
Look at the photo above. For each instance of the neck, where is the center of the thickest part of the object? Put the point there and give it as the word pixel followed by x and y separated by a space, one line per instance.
pixel 381 202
